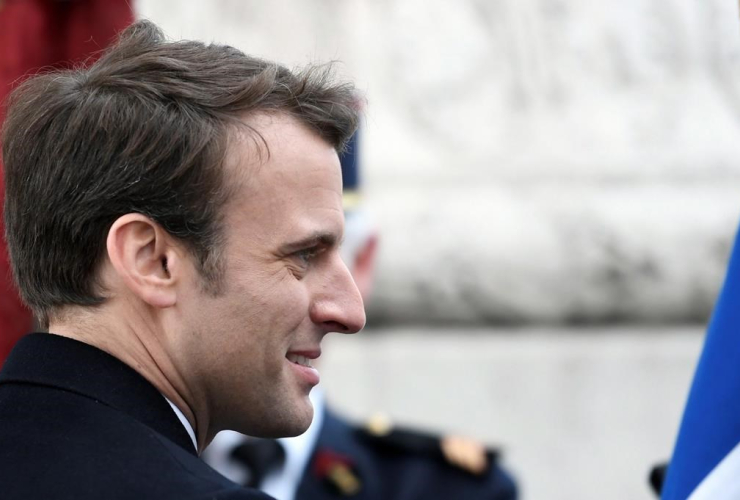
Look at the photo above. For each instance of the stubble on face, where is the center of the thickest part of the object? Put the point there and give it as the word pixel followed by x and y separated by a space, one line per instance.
pixel 282 231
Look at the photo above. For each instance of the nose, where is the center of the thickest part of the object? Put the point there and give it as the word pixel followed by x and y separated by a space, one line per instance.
pixel 337 304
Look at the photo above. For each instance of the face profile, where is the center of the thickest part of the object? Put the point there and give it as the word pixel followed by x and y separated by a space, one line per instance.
pixel 284 283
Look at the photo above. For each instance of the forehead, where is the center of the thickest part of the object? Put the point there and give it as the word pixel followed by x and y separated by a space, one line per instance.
pixel 271 142
pixel 286 174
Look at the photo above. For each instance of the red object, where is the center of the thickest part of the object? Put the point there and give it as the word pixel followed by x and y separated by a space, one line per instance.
pixel 325 460
pixel 42 34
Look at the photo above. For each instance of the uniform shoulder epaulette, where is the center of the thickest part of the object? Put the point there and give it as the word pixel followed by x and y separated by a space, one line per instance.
pixel 463 453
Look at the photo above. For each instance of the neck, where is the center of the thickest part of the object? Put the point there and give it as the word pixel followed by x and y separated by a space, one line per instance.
pixel 143 347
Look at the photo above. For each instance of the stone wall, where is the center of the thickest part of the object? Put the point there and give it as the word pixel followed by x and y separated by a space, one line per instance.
pixel 528 161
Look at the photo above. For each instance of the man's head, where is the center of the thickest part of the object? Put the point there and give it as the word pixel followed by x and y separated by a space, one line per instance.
pixel 144 130
pixel 188 197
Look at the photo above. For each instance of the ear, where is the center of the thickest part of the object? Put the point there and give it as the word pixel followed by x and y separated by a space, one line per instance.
pixel 145 258
pixel 363 268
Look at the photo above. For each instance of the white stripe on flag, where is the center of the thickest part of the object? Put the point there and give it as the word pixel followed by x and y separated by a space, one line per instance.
pixel 723 483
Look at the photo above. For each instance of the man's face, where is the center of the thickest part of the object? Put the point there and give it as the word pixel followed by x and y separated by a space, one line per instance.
pixel 284 286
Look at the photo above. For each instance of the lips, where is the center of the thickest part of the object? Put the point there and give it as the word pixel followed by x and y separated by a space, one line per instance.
pixel 300 360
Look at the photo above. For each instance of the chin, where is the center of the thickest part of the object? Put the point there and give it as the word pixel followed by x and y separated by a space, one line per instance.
pixel 300 423
pixel 288 423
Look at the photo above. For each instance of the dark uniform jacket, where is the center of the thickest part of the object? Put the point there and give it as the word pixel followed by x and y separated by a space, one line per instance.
pixel 77 423
pixel 353 463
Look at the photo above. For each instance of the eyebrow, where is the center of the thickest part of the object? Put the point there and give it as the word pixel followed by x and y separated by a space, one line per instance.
pixel 320 238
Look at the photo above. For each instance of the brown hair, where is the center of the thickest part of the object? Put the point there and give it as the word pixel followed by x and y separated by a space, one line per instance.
pixel 145 129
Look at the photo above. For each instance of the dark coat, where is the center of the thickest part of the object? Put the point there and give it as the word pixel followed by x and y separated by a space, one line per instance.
pixel 77 423
pixel 405 467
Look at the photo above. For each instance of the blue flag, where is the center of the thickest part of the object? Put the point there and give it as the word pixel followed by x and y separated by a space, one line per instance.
pixel 706 458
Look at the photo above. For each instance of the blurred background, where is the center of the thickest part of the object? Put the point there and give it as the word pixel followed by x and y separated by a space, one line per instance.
pixel 555 187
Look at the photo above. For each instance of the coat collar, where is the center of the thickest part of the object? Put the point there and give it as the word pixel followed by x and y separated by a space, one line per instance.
pixel 66 364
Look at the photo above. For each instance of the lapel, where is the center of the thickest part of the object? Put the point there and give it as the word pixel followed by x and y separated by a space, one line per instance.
pixel 69 365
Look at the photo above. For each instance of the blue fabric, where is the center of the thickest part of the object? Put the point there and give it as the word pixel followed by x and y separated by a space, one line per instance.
pixel 349 161
pixel 710 428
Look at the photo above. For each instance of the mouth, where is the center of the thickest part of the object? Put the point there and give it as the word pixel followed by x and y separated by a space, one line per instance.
pixel 302 367
pixel 299 359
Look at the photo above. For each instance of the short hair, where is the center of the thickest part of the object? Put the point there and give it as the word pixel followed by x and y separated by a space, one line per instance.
pixel 145 130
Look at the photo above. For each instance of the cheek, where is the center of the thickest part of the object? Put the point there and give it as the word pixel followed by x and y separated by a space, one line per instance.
pixel 265 307
pixel 284 300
